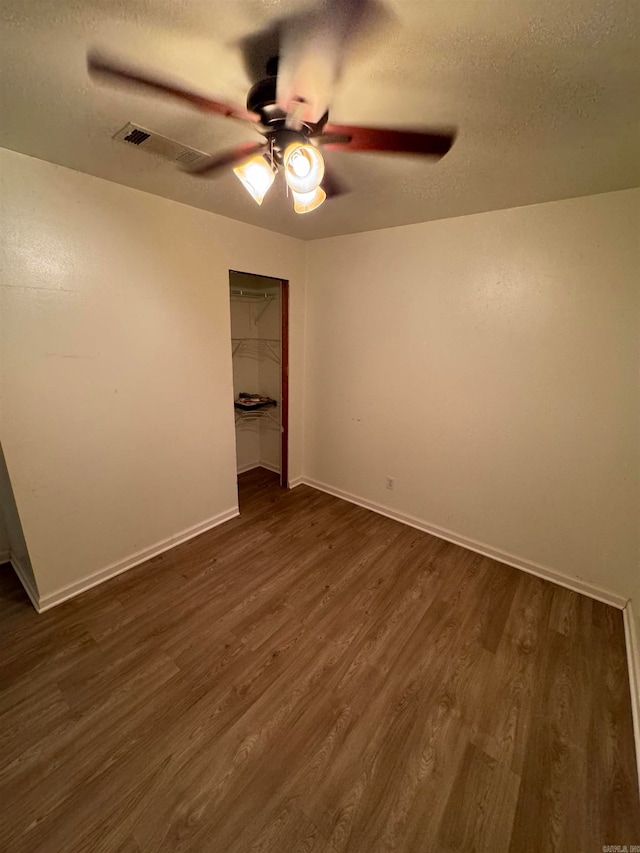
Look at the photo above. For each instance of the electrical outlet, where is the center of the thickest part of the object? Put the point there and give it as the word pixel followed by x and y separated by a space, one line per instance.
pixel 390 482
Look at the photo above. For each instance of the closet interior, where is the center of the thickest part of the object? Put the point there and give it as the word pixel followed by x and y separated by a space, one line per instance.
pixel 256 342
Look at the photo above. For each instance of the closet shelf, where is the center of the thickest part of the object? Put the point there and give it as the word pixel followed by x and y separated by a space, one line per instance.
pixel 256 348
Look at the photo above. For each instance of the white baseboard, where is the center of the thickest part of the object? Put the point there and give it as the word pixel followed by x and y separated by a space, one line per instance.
pixel 575 584
pixel 251 465
pixel 25 579
pixel 45 602
pixel 274 468
pixel 633 660
pixel 297 481
pixel 248 467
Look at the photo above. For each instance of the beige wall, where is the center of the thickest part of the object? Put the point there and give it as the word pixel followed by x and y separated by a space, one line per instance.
pixel 11 535
pixel 5 544
pixel 490 365
pixel 635 598
pixel 116 382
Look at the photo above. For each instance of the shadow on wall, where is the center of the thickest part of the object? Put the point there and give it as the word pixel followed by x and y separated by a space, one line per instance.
pixel 13 546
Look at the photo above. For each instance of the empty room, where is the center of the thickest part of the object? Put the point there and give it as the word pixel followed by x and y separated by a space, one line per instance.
pixel 319 426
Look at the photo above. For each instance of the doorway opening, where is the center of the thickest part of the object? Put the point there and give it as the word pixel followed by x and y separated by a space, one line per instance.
pixel 260 354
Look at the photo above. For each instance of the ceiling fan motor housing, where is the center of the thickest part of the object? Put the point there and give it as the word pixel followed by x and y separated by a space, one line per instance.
pixel 262 101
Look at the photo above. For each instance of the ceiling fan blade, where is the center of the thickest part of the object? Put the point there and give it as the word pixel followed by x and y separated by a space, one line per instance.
pixel 313 47
pixel 103 68
pixel 332 184
pixel 243 151
pixel 344 137
pixel 260 51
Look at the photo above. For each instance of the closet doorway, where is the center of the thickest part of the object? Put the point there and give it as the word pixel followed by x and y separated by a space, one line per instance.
pixel 260 352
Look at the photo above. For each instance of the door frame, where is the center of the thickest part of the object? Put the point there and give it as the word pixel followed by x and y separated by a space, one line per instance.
pixel 284 383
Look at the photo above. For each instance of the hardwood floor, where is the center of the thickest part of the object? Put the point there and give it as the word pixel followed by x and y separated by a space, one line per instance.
pixel 314 677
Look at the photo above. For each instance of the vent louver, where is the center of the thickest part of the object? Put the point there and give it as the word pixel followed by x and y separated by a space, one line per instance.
pixel 161 146
pixel 136 136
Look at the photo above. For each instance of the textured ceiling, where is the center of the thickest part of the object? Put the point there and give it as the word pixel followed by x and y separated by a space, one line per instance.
pixel 544 95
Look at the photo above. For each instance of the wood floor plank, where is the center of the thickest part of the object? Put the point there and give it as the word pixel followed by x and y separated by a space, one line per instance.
pixel 481 805
pixel 612 803
pixel 509 698
pixel 313 677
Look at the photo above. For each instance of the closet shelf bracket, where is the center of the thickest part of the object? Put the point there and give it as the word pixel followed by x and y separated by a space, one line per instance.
pixel 260 415
pixel 256 348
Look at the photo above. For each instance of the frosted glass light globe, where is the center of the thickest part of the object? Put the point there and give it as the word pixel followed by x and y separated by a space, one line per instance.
pixel 303 167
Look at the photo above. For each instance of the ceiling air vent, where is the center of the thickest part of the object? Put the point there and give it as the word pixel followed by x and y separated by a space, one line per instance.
pixel 161 146
pixel 136 136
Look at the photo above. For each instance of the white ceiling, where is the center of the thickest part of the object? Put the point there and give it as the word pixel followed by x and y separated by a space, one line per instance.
pixel 544 94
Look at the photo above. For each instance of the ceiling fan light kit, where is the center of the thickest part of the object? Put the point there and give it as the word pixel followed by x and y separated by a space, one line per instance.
pixel 256 175
pixel 304 171
pixel 303 167
pixel 306 202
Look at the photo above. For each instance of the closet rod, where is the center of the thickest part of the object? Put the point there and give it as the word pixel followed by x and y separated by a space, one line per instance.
pixel 252 294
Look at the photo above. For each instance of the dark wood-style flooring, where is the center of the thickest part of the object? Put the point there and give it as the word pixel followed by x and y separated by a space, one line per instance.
pixel 314 677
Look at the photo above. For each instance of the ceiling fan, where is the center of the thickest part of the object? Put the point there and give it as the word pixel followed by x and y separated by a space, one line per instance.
pixel 289 107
